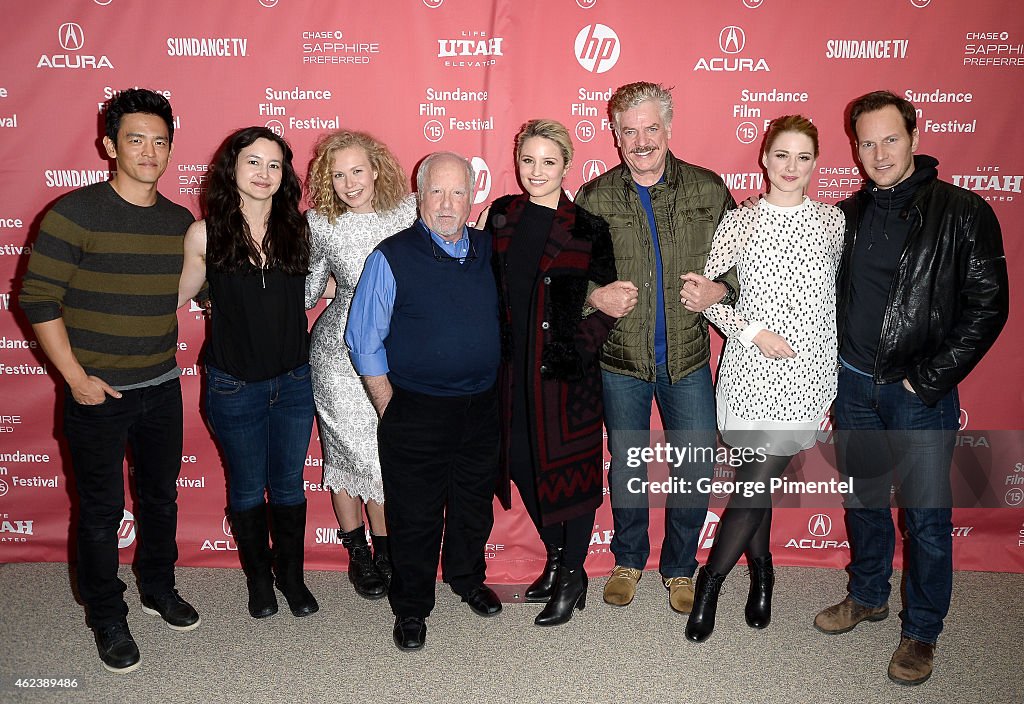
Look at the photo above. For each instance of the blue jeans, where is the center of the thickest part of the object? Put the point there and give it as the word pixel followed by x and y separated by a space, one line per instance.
pixel 688 415
pixel 263 428
pixel 887 436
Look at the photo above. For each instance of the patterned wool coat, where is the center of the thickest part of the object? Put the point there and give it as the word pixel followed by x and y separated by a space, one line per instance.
pixel 565 411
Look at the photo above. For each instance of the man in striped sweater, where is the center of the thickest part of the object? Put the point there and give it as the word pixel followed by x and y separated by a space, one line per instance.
pixel 100 293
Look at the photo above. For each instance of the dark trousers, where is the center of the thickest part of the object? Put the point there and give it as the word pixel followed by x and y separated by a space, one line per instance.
pixel 439 465
pixel 572 535
pixel 149 421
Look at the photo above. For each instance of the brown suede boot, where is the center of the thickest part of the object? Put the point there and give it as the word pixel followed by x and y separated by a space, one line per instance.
pixel 912 662
pixel 845 615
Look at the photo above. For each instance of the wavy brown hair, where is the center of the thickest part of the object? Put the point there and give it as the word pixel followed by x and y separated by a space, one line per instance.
pixel 390 187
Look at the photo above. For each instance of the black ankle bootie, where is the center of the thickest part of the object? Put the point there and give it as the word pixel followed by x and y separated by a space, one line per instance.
pixel 361 570
pixel 705 603
pixel 570 593
pixel 758 610
pixel 544 586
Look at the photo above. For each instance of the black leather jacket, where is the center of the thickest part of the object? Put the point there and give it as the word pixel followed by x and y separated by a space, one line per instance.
pixel 949 297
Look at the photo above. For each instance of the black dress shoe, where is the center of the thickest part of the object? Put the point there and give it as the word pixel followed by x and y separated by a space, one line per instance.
pixel 483 601
pixel 116 647
pixel 410 632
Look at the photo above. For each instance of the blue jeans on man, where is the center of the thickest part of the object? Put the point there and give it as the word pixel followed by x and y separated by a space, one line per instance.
pixel 887 436
pixel 688 415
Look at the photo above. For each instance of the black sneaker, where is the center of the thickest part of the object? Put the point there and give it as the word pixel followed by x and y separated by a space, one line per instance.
pixel 175 611
pixel 117 648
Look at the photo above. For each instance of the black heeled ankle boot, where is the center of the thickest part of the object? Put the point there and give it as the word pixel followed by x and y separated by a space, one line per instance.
pixel 382 559
pixel 758 610
pixel 361 571
pixel 570 593
pixel 249 529
pixel 544 586
pixel 705 603
pixel 288 529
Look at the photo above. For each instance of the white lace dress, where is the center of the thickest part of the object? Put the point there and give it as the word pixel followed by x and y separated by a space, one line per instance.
pixel 786 260
pixel 346 419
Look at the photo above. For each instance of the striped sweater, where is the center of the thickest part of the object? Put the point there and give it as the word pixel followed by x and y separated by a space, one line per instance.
pixel 110 269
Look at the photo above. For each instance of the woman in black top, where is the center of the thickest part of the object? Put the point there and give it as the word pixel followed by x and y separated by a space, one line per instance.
pixel 253 249
pixel 547 252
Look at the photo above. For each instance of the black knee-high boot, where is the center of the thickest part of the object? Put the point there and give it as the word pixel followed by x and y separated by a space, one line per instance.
pixel 249 529
pixel 705 604
pixel 288 528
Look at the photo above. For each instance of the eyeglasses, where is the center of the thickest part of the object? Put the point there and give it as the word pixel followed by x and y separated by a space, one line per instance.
pixel 442 257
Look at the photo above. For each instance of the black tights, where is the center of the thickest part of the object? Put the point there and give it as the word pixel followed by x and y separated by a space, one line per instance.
pixel 747 523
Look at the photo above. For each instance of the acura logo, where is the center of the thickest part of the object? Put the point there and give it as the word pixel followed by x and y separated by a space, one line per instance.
pixel 732 39
pixel 71 36
pixel 820 525
pixel 593 168
pixel 225 526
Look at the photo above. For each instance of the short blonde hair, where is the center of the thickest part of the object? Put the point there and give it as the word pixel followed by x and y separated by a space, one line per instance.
pixel 390 187
pixel 632 94
pixel 548 129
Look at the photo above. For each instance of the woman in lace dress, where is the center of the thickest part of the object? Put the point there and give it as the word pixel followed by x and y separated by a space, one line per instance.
pixel 778 372
pixel 359 196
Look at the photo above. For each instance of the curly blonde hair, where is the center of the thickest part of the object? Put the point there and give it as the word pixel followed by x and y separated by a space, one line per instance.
pixel 390 187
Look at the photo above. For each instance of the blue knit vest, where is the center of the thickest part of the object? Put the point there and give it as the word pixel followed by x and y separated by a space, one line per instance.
pixel 444 338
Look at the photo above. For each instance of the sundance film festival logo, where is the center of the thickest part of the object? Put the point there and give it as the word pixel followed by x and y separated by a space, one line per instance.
pixel 71 38
pixel 433 131
pixel 597 48
pixel 433 4
pixel 753 4
pixel 4 487
pixel 585 131
pixel 126 531
pixel 586 4
pixel 275 126
pixel 268 3
pixel 482 187
pixel 746 132
pixel 732 41
pixel 920 3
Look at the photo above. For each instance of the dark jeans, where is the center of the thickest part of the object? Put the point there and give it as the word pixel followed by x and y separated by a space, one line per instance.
pixel 263 428
pixel 688 416
pixel 439 465
pixel 887 436
pixel 149 420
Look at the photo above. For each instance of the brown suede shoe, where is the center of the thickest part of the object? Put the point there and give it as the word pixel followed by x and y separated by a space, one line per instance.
pixel 912 662
pixel 621 586
pixel 845 615
pixel 680 594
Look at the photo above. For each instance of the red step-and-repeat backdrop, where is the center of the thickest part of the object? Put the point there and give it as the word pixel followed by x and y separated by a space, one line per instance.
pixel 463 75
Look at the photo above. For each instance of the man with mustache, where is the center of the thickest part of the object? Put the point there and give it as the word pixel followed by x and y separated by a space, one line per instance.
pixel 663 213
pixel 423 335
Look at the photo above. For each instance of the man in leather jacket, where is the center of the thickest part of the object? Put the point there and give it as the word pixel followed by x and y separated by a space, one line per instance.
pixel 922 297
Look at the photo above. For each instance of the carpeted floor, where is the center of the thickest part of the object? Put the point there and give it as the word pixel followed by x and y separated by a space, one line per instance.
pixel 638 653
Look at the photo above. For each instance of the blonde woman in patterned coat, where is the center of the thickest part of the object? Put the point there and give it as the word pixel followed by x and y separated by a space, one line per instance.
pixel 778 372
pixel 359 196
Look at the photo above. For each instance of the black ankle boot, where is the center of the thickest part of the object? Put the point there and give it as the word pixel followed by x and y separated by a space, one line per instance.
pixel 288 529
pixel 544 586
pixel 759 600
pixel 361 571
pixel 249 529
pixel 705 603
pixel 382 559
pixel 570 593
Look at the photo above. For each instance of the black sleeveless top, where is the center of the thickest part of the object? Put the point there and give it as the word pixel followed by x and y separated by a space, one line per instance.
pixel 259 328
